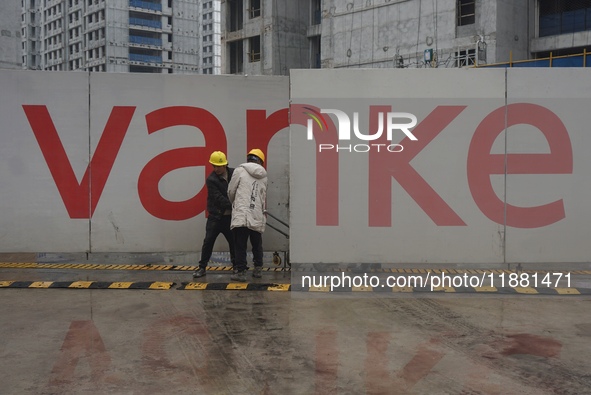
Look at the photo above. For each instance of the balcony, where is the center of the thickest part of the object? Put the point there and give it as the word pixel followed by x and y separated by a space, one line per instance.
pixel 156 42
pixel 145 58
pixel 95 62
pixel 75 23
pixel 92 44
pixel 146 23
pixel 54 62
pixel 145 5
pixel 96 25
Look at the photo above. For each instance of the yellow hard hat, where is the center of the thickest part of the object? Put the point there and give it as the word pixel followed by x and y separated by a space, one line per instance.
pixel 218 158
pixel 258 153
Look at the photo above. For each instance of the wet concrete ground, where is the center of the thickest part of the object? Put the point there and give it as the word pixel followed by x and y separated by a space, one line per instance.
pixel 95 341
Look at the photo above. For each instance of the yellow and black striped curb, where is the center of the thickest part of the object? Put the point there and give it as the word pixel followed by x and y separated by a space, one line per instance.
pixel 104 266
pixel 152 267
pixel 155 285
pixel 235 286
pixel 198 286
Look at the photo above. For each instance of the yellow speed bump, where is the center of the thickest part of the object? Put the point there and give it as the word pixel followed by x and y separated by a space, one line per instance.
pixel 279 287
pixel 41 284
pixel 525 290
pixel 485 289
pixel 161 285
pixel 196 286
pixel 121 285
pixel 237 286
pixel 80 284
pixel 567 291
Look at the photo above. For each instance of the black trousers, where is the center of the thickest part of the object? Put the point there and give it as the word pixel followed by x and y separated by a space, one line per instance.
pixel 241 236
pixel 213 228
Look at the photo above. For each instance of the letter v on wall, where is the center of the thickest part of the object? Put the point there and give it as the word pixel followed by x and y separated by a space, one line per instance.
pixel 80 198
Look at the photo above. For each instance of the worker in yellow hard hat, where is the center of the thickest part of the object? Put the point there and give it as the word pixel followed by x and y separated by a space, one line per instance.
pixel 248 193
pixel 219 210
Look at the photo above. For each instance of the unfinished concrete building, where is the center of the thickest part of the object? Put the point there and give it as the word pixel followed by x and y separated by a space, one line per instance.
pixel 10 35
pixel 149 36
pixel 272 36
pixel 265 37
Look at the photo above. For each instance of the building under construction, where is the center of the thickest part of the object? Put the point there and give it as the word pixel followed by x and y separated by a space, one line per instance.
pixel 273 36
pixel 270 37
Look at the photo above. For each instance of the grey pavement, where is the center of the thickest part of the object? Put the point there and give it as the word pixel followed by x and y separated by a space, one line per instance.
pixel 103 341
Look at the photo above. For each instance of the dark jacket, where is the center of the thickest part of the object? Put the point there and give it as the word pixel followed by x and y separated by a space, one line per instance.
pixel 217 194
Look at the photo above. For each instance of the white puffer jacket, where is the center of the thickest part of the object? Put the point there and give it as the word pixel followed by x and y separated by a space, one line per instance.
pixel 248 193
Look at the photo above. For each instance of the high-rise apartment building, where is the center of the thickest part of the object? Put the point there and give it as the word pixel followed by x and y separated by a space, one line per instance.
pixel 149 36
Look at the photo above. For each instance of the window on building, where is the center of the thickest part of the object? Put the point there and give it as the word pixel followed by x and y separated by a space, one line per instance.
pixel 235 8
pixel 315 52
pixel 236 57
pixel 466 10
pixel 315 12
pixel 255 8
pixel 564 16
pixel 254 44
pixel 465 57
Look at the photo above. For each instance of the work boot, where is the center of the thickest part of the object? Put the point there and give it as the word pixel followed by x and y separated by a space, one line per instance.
pixel 240 276
pixel 258 272
pixel 199 272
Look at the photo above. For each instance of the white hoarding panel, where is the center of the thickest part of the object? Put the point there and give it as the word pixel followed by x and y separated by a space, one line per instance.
pixel 117 162
pixel 44 161
pixel 380 164
pixel 155 196
pixel 548 165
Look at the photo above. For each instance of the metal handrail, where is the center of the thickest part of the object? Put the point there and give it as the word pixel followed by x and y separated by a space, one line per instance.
pixel 280 221
pixel 274 217
pixel 276 258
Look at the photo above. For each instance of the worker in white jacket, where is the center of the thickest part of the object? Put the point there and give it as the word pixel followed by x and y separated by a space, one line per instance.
pixel 248 193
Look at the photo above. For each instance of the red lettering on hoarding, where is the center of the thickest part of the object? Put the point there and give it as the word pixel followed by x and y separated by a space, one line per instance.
pixel 327 166
pixel 384 165
pixel 260 129
pixel 482 164
pixel 162 164
pixel 81 198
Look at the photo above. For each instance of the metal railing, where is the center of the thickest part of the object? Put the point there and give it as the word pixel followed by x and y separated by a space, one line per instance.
pixel 145 22
pixel 576 60
pixel 146 5
pixel 145 58
pixel 145 41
